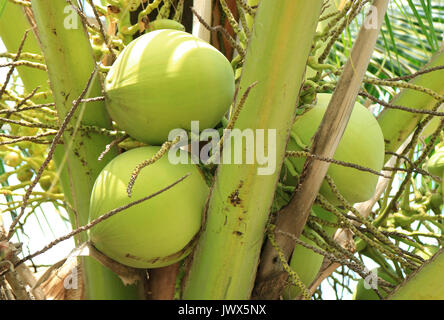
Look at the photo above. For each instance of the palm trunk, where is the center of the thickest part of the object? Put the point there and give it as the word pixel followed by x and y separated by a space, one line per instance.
pixel 13 24
pixel 70 62
pixel 226 258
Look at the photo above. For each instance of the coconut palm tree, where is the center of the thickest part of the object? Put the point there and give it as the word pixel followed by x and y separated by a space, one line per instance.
pixel 295 232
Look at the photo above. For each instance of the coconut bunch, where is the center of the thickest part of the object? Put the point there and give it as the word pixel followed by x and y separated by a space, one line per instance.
pixel 362 146
pixel 160 78
pixel 161 81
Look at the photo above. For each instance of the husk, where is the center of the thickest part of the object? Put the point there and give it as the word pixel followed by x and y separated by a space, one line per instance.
pixel 154 233
pixel 163 81
pixel 424 284
pixel 435 165
pixel 362 144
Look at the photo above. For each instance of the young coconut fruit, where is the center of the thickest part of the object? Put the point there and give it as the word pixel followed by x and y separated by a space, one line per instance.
pixel 154 233
pixel 435 165
pixel 361 144
pixel 165 79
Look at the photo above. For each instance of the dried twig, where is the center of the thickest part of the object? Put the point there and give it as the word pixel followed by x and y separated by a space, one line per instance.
pixel 102 31
pixel 159 154
pixel 334 161
pixel 11 70
pixel 392 106
pixel 112 144
pixel 224 32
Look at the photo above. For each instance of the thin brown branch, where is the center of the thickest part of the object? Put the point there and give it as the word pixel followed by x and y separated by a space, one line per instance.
pixel 224 32
pixel 392 106
pixel 334 161
pixel 27 98
pixel 159 154
pixel 26 63
pixel 27 138
pixel 82 16
pixel 416 74
pixel 102 31
pixel 11 70
pixel 420 160
pixel 112 144
pixel 417 170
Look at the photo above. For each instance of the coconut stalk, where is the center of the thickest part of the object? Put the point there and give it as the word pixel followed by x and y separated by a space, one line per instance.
pixel 423 284
pixel 271 276
pixel 18 16
pixel 13 24
pixel 225 260
pixel 64 42
pixel 203 8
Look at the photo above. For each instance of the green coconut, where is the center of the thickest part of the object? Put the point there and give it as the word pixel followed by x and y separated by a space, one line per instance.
pixel 363 293
pixel 435 165
pixel 154 233
pixel 165 79
pixel 432 125
pixel 305 262
pixel 361 144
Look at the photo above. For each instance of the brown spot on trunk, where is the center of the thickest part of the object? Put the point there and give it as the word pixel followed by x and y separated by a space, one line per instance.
pixel 234 198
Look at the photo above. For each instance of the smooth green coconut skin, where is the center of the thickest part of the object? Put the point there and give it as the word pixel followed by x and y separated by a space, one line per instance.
pixel 153 233
pixel 424 284
pixel 435 165
pixel 165 79
pixel 361 144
